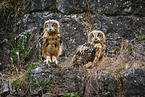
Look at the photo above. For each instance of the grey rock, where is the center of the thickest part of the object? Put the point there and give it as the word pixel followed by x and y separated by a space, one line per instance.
pixel 100 84
pixel 48 95
pixel 21 92
pixel 139 7
pixel 111 7
pixel 4 53
pixel 39 5
pixel 73 34
pixel 133 82
pixel 118 7
pixel 71 6
pixel 4 87
pixel 54 80
pixel 38 79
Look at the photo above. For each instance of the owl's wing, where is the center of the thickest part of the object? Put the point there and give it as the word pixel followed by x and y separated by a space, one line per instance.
pixel 86 53
pixel 98 55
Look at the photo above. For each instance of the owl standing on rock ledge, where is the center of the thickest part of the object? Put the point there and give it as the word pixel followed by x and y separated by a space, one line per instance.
pixel 91 53
pixel 51 46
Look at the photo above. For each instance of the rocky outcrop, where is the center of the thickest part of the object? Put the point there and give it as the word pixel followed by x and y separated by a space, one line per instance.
pixel 54 80
pixel 107 7
pixel 117 19
pixel 39 5
pixel 72 6
pixel 4 87
pixel 117 7
pixel 120 20
pixel 74 27
pixel 133 82
pixel 100 84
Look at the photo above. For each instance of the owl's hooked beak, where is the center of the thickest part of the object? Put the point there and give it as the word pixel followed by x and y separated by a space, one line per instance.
pixel 96 40
pixel 50 29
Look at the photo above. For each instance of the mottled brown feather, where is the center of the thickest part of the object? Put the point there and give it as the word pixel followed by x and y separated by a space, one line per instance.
pixel 91 53
pixel 51 41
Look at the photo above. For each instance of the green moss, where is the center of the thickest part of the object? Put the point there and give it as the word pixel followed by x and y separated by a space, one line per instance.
pixel 110 72
pixel 16 83
pixel 141 38
pixel 71 95
pixel 104 69
pixel 130 48
pixel 142 65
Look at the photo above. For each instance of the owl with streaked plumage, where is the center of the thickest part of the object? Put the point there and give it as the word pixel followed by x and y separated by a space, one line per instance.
pixel 51 46
pixel 91 53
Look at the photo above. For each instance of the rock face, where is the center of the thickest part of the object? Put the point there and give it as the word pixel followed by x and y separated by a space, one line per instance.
pixel 71 34
pixel 50 80
pixel 120 20
pixel 100 84
pixel 72 6
pixel 4 87
pixel 133 82
pixel 54 80
pixel 39 5
pixel 116 18
pixel 117 7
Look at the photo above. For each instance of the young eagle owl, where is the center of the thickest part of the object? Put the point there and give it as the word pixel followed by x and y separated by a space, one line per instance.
pixel 90 53
pixel 51 41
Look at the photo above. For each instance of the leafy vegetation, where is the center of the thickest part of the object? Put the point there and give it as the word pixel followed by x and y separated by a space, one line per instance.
pixel 23 81
pixel 71 95
pixel 11 6
pixel 21 49
pixel 141 38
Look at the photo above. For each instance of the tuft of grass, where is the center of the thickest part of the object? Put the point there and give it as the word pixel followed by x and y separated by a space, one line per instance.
pixel 11 6
pixel 21 81
pixel 71 95
pixel 6 7
pixel 117 64
pixel 20 49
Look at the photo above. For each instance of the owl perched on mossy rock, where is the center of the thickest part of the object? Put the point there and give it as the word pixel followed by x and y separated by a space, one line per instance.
pixel 91 53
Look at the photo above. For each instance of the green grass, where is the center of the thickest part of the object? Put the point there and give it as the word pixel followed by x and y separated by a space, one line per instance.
pixel 21 46
pixel 71 95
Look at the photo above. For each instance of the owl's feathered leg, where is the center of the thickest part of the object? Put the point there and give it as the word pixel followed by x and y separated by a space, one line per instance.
pixel 48 59
pixel 54 59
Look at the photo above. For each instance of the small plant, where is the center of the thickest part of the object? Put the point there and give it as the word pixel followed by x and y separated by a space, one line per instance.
pixel 110 72
pixel 71 95
pixel 6 6
pixel 141 38
pixel 22 81
pixel 130 48
pixel 85 68
pixel 20 49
